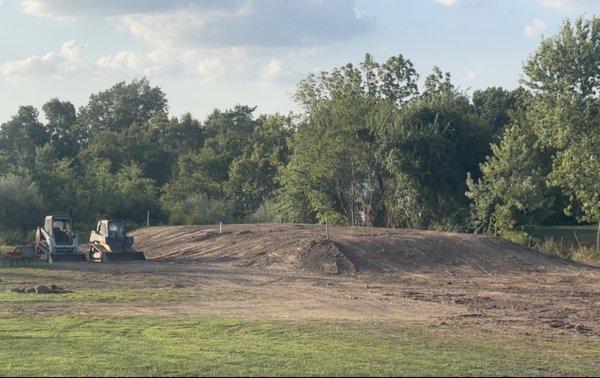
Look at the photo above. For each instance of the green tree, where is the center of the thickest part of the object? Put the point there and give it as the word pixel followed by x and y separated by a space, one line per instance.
pixel 495 105
pixel 122 105
pixel 20 137
pixel 337 167
pixel 126 194
pixel 434 142
pixel 513 190
pixel 134 195
pixel 65 133
pixel 253 176
pixel 227 136
pixel 57 181
pixel 21 204
pixel 564 74
pixel 552 149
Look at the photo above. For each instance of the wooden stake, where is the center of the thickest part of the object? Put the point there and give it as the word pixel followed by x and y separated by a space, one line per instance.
pixel 220 227
pixel 327 230
pixel 148 219
pixel 598 239
pixel 562 246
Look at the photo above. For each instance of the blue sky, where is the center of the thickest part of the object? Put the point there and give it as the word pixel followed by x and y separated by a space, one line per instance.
pixel 208 54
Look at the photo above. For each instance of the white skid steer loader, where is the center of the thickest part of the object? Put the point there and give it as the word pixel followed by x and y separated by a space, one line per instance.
pixel 56 241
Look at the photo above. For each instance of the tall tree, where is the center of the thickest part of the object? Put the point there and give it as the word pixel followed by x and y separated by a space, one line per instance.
pixel 20 137
pixel 65 133
pixel 337 166
pixel 554 146
pixel 433 143
pixel 564 73
pixel 122 105
pixel 495 105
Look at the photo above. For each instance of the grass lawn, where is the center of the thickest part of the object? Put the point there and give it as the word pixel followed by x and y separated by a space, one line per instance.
pixel 38 338
pixel 586 234
pixel 183 345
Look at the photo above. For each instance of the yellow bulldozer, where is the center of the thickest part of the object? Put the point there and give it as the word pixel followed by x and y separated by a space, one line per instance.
pixel 109 242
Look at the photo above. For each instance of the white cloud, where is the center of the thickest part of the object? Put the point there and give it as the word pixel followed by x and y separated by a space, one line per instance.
pixel 566 5
pixel 273 70
pixel 537 27
pixel 209 70
pixel 205 65
pixel 209 39
pixel 135 64
pixel 471 75
pixel 558 5
pixel 62 64
pixel 216 23
pixel 447 3
pixel 69 9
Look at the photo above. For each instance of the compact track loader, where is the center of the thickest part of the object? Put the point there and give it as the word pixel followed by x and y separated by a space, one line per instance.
pixel 110 243
pixel 56 241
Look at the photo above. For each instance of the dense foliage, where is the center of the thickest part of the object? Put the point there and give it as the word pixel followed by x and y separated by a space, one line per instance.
pixel 369 147
pixel 548 161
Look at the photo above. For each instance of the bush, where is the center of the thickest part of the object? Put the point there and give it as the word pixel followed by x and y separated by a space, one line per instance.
pixel 454 222
pixel 199 209
pixel 556 247
pixel 553 247
pixel 266 213
pixel 586 255
pixel 519 237
pixel 21 205
pixel 12 237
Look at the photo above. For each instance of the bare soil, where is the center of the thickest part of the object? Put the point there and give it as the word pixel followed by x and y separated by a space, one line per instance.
pixel 293 272
pixel 305 248
pixel 377 274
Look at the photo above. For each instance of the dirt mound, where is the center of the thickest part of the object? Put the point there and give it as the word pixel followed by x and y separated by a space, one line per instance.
pixel 325 257
pixel 350 250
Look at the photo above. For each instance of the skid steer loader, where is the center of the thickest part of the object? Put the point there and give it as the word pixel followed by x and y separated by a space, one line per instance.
pixel 56 241
pixel 110 243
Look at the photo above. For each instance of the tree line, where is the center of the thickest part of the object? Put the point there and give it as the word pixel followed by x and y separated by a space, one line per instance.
pixel 368 147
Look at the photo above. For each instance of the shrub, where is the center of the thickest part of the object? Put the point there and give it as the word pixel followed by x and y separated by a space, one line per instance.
pixel 12 237
pixel 519 237
pixel 21 204
pixel 199 209
pixel 266 213
pixel 556 247
pixel 586 255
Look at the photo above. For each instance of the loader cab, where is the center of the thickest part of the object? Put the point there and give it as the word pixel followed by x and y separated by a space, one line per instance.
pixel 59 227
pixel 114 233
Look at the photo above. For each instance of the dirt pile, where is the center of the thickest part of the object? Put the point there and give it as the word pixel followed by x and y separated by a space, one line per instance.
pixel 299 247
pixel 325 257
pixel 41 289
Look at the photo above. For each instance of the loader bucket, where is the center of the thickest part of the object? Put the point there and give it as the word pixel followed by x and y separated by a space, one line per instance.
pixel 67 257
pixel 124 256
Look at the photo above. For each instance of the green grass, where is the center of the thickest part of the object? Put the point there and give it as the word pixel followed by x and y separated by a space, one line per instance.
pixel 561 241
pixel 53 343
pixel 62 345
pixel 137 295
pixel 585 234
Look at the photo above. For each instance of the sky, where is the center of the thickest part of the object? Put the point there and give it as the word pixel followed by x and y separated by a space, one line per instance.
pixel 208 54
